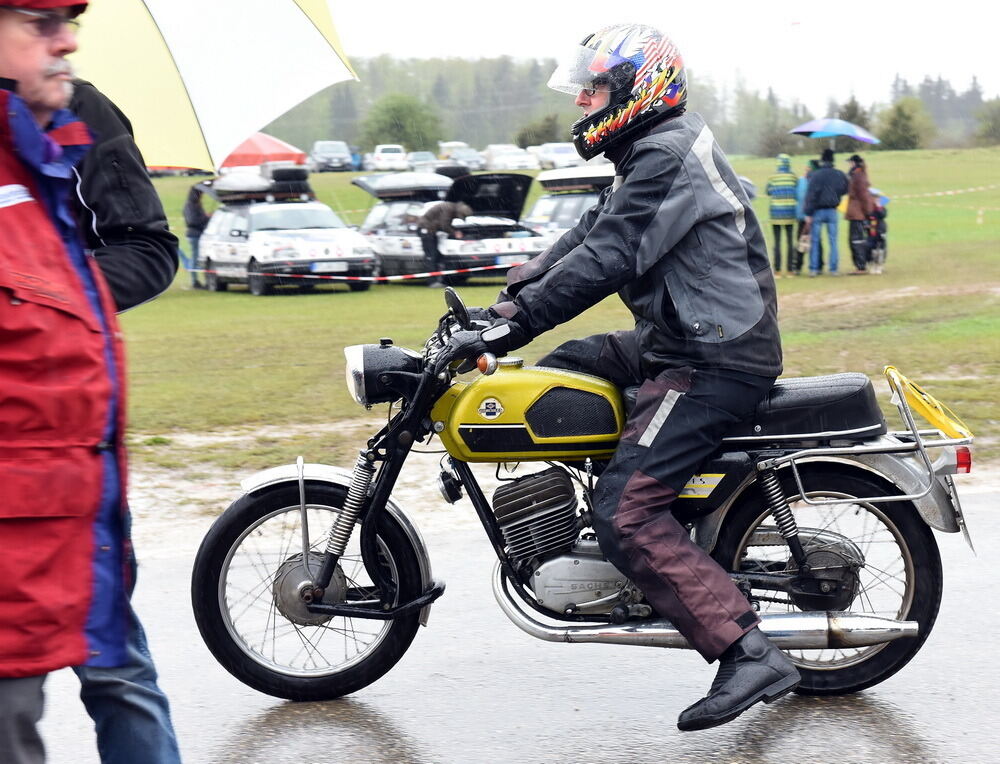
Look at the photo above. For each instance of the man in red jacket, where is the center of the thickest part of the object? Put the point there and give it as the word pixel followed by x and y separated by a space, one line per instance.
pixel 66 568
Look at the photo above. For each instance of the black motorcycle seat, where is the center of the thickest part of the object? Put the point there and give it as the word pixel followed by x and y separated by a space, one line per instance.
pixel 830 407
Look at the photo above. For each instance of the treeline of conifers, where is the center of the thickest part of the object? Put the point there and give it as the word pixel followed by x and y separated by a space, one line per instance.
pixel 492 100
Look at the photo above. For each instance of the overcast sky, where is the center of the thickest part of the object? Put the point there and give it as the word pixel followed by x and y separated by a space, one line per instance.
pixel 805 50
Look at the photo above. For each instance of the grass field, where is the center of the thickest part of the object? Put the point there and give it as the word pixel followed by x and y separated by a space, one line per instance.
pixel 205 362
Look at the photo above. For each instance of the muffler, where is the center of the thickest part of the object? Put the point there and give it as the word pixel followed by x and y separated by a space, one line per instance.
pixel 789 631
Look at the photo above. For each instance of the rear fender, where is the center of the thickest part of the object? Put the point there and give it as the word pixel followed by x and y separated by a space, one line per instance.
pixel 904 471
pixel 325 473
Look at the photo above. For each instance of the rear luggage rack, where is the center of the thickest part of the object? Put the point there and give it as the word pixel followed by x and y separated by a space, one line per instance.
pixel 947 431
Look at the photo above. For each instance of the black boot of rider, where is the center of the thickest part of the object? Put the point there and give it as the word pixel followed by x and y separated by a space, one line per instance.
pixel 750 670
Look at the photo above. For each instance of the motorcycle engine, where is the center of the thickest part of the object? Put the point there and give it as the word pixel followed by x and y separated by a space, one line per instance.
pixel 568 573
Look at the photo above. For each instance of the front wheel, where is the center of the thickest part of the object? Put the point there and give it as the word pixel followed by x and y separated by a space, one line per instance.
pixel 256 281
pixel 899 575
pixel 245 595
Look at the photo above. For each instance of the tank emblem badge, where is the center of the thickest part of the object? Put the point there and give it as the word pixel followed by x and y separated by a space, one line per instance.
pixel 701 486
pixel 490 408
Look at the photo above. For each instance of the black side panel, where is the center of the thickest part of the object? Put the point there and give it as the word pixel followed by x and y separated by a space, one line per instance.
pixel 564 411
pixel 504 439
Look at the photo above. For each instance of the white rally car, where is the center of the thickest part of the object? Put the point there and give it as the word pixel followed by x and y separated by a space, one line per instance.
pixel 491 236
pixel 272 232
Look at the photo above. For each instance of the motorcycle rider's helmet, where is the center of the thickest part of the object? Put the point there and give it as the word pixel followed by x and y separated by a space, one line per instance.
pixel 642 72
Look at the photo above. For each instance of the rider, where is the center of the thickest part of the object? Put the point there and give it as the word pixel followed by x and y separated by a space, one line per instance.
pixel 676 238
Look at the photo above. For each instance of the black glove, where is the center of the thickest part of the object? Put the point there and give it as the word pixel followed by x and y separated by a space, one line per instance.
pixel 462 345
pixel 483 316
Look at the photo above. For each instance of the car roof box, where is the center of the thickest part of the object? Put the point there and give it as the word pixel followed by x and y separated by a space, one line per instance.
pixel 251 187
pixel 578 178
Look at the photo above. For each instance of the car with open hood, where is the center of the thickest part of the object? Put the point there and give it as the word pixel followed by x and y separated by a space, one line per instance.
pixel 492 235
pixel 270 232
pixel 567 194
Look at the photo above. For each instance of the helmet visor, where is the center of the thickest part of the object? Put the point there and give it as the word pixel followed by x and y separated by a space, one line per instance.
pixel 587 69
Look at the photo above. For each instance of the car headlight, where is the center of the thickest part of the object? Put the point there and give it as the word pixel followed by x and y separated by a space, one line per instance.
pixel 472 246
pixel 278 253
pixel 364 252
pixel 381 373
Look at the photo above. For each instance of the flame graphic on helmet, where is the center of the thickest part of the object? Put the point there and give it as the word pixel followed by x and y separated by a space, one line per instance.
pixel 660 89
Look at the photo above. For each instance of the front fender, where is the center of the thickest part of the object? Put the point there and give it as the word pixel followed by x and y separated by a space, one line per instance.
pixel 903 470
pixel 325 473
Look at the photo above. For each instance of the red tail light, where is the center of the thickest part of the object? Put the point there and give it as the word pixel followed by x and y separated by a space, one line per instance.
pixel 963 460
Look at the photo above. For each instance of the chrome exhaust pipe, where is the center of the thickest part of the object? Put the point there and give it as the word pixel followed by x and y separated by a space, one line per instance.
pixel 789 631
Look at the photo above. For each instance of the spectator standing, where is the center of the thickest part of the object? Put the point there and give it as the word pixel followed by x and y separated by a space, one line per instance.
pixel 827 186
pixel 802 232
pixel 195 218
pixel 860 206
pixel 438 219
pixel 67 568
pixel 781 192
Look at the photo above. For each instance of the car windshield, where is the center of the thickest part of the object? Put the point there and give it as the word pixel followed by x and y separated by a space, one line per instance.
pixel 390 150
pixel 422 156
pixel 562 211
pixel 293 217
pixel 465 153
pixel 331 147
pixel 392 216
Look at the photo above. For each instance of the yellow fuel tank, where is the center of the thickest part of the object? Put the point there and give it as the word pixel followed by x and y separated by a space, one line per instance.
pixel 521 414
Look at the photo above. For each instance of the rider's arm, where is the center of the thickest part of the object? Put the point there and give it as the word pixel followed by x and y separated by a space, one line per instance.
pixel 121 215
pixel 649 213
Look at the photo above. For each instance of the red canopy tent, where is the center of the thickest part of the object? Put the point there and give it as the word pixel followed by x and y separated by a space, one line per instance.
pixel 260 148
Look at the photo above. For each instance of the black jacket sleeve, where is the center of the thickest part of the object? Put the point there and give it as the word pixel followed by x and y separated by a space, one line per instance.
pixel 614 246
pixel 120 212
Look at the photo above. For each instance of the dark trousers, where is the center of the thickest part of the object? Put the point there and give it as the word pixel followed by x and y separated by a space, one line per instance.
pixel 432 255
pixel 679 419
pixel 860 247
pixel 788 230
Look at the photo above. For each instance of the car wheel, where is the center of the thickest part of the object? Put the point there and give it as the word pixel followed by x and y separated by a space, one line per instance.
pixel 256 281
pixel 212 281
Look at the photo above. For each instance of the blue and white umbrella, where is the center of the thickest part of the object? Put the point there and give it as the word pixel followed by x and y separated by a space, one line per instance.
pixel 832 128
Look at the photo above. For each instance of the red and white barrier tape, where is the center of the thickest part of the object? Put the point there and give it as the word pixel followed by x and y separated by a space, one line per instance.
pixel 400 277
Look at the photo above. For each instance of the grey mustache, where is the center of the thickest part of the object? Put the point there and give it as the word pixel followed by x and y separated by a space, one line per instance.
pixel 61 66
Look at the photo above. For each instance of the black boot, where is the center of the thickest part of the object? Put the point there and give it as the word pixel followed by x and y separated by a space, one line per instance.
pixel 750 670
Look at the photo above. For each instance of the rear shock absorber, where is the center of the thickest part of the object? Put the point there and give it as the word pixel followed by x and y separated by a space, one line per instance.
pixel 782 514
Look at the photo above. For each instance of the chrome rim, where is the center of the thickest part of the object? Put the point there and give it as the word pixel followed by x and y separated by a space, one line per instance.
pixel 886 579
pixel 252 617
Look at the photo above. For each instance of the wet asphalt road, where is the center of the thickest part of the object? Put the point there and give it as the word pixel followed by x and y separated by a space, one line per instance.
pixel 474 688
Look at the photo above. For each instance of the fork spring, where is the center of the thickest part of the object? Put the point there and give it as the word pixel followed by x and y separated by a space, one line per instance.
pixel 356 494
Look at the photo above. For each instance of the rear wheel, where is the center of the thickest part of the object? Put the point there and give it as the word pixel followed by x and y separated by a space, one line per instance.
pixel 900 575
pixel 245 595
pixel 359 286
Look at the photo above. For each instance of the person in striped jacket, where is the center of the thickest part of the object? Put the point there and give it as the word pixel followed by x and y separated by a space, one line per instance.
pixel 781 192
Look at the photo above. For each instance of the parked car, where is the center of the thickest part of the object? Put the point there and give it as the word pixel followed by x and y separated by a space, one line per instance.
pixel 553 156
pixel 468 157
pixel 568 193
pixel 268 230
pixel 389 157
pixel 330 155
pixel 511 158
pixel 492 235
pixel 422 161
pixel 445 148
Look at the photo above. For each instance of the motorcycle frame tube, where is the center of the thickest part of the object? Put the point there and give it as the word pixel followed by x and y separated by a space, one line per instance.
pixel 485 512
pixel 902 470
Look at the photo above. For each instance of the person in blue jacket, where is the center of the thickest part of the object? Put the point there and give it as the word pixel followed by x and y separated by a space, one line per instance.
pixel 827 187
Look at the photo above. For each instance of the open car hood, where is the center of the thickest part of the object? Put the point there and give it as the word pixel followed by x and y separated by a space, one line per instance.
pixel 497 194
pixel 416 186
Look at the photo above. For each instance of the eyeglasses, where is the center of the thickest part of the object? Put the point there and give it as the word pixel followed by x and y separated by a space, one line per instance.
pixel 46 23
pixel 595 89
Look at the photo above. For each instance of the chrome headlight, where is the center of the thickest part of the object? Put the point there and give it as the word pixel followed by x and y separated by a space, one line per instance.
pixel 381 373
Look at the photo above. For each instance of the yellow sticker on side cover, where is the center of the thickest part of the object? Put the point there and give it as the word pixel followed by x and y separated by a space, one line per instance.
pixel 701 486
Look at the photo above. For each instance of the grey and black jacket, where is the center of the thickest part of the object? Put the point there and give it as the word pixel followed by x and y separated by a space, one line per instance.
pixel 676 238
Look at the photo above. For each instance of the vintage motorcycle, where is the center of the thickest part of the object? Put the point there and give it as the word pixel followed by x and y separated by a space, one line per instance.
pixel 312 584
